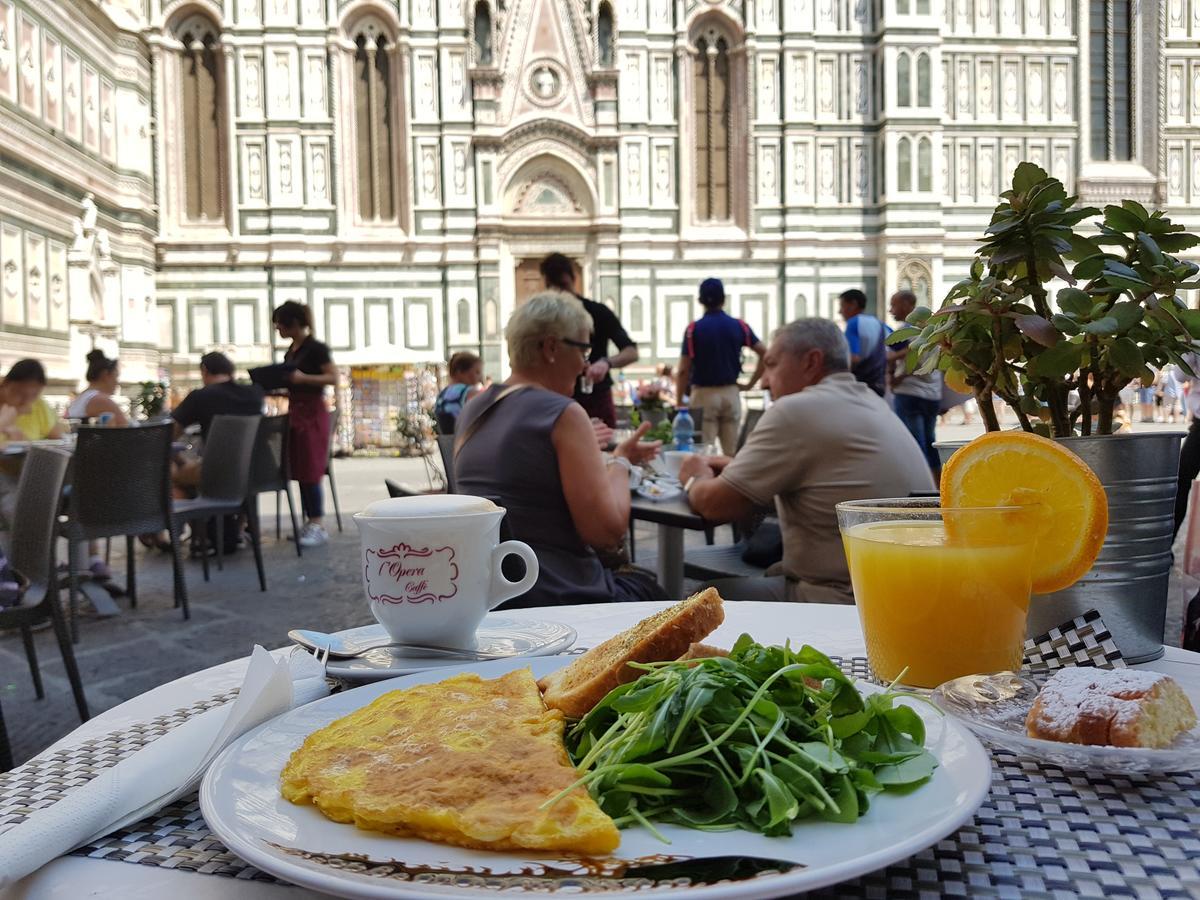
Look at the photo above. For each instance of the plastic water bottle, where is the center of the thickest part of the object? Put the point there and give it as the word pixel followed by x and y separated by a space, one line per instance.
pixel 683 429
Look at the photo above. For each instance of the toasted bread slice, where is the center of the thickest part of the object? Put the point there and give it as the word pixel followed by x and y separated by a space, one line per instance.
pixel 666 635
pixel 702 651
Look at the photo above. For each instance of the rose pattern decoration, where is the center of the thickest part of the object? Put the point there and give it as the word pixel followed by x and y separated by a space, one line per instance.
pixel 407 574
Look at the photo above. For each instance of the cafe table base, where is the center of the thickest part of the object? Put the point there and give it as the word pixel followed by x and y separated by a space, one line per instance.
pixel 670 560
pixel 1042 832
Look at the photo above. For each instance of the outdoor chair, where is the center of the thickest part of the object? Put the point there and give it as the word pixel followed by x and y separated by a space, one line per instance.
pixel 121 485
pixel 748 424
pixel 446 448
pixel 399 490
pixel 225 488
pixel 33 557
pixel 337 508
pixel 269 471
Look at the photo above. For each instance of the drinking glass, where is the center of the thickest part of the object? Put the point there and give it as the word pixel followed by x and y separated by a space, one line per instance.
pixel 941 593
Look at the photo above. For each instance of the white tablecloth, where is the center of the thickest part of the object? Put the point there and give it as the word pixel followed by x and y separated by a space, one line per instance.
pixel 833 629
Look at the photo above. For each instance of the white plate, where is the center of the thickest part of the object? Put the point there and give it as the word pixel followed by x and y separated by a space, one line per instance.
pixel 497 634
pixel 242 805
pixel 995 706
pixel 659 490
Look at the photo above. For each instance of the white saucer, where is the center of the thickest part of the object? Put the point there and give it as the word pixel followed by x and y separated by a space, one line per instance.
pixel 497 634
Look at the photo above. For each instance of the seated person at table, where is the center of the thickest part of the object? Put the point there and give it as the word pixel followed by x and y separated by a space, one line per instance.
pixel 527 445
pixel 827 438
pixel 103 378
pixel 466 372
pixel 220 396
pixel 24 416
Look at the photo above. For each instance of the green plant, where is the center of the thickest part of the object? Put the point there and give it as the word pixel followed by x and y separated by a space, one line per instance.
pixel 151 399
pixel 660 432
pixel 1118 310
pixel 758 740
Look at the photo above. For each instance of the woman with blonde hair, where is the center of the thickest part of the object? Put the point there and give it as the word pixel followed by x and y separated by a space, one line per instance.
pixel 527 445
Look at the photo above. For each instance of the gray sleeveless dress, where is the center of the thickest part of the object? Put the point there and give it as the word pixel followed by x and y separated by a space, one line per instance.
pixel 510 459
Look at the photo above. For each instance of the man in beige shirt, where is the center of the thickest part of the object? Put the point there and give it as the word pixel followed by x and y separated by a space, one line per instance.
pixel 827 438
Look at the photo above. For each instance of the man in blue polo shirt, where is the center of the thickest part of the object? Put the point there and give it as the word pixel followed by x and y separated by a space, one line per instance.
pixel 711 361
pixel 866 335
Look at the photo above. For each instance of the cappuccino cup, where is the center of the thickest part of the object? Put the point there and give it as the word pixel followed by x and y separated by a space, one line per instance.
pixel 431 566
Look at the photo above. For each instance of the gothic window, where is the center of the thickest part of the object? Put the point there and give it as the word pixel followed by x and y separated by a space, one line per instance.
pixel 915 276
pixel 604 36
pixel 374 122
pixel 200 120
pixel 924 98
pixel 904 165
pixel 713 126
pixel 902 7
pixel 637 315
pixel 483 34
pixel 801 308
pixel 922 7
pixel 463 316
pixel 925 165
pixel 1110 59
pixel 903 80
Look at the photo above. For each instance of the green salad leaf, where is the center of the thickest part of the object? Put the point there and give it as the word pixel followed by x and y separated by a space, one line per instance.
pixel 758 740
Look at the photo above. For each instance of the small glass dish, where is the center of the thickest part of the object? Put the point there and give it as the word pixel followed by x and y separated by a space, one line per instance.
pixel 994 708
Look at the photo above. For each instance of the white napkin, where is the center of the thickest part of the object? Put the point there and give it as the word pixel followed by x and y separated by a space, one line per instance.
pixel 162 771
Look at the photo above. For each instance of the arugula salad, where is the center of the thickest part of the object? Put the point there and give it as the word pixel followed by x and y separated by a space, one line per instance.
pixel 757 740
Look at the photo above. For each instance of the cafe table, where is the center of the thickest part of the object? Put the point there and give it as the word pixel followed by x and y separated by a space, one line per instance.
pixel 1041 832
pixel 673 518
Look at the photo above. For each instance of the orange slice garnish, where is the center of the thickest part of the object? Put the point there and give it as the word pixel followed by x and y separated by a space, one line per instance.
pixel 1062 499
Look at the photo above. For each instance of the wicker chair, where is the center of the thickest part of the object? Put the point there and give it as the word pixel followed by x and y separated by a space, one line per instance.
pixel 269 471
pixel 121 485
pixel 225 488
pixel 33 557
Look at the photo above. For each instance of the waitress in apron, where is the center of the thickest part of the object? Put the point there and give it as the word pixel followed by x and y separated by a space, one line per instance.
pixel 308 417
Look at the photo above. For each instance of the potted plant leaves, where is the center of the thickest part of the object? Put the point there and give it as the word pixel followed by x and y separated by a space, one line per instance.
pixel 1063 307
pixel 150 399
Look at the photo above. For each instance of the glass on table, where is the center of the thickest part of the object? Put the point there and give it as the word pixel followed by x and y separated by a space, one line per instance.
pixel 941 593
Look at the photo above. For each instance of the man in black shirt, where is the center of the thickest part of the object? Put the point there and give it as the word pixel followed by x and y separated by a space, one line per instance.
pixel 220 396
pixel 559 272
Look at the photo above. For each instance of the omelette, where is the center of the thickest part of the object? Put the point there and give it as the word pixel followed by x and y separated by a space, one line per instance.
pixel 466 761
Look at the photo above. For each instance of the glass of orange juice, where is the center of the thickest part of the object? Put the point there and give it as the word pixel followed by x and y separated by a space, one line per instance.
pixel 941 593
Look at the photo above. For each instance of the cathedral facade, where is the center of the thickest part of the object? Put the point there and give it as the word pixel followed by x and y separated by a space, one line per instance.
pixel 170 171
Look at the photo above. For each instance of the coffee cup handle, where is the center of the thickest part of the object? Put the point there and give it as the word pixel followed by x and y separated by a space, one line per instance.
pixel 502 588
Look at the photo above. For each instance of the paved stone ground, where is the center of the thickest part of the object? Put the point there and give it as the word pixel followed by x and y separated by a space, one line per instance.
pixel 124 656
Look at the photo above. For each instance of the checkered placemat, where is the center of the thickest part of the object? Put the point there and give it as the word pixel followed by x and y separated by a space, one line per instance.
pixel 1042 831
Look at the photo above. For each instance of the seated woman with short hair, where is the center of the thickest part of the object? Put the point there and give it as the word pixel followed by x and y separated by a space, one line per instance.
pixel 527 445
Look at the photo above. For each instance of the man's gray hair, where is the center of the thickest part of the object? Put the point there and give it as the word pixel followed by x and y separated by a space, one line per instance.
pixel 802 335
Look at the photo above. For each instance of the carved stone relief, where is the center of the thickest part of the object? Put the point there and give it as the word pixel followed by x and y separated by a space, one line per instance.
pixel 254 172
pixel 459 162
pixel 987 171
pixel 252 99
pixel 460 98
pixel 314 11
pixel 634 162
pixel 663 93
pixel 767 108
pixel 12 277
pixel 768 184
pixel 1175 171
pixel 8 51
pixel 799 89
pixel 827 167
pixel 1035 93
pixel 984 10
pixel 281 81
pixel 59 313
pixel 862 91
pixel 947 87
pixel 318 180
pixel 72 102
pixel 52 81
pixel 1012 156
pixel 1036 153
pixel 1012 91
pixel 987 92
pixel 1175 91
pixel 1061 13
pixel 965 184
pixel 287 183
pixel 1195 174
pixel 862 176
pixel 631 81
pixel 1033 10
pixel 1061 90
pixel 35 281
pixel 826 101
pixel 662 174
pixel 29 71
pixel 429 173
pixel 1062 164
pixel 947 184
pixel 248 12
pixel 766 14
pixel 1196 88
pixel 827 13
pixel 964 87
pixel 108 124
pixel 314 85
pixel 800 167
pixel 427 85
pixel 91 108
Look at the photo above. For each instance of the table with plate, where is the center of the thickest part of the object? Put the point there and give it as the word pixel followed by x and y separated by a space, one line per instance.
pixel 988 824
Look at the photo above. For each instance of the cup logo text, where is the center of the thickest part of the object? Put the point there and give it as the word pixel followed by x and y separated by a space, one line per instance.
pixel 406 574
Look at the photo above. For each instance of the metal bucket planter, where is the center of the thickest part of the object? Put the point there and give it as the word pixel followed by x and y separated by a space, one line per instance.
pixel 1129 581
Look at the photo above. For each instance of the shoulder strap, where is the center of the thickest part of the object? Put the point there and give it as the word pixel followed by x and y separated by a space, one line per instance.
pixel 461 437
